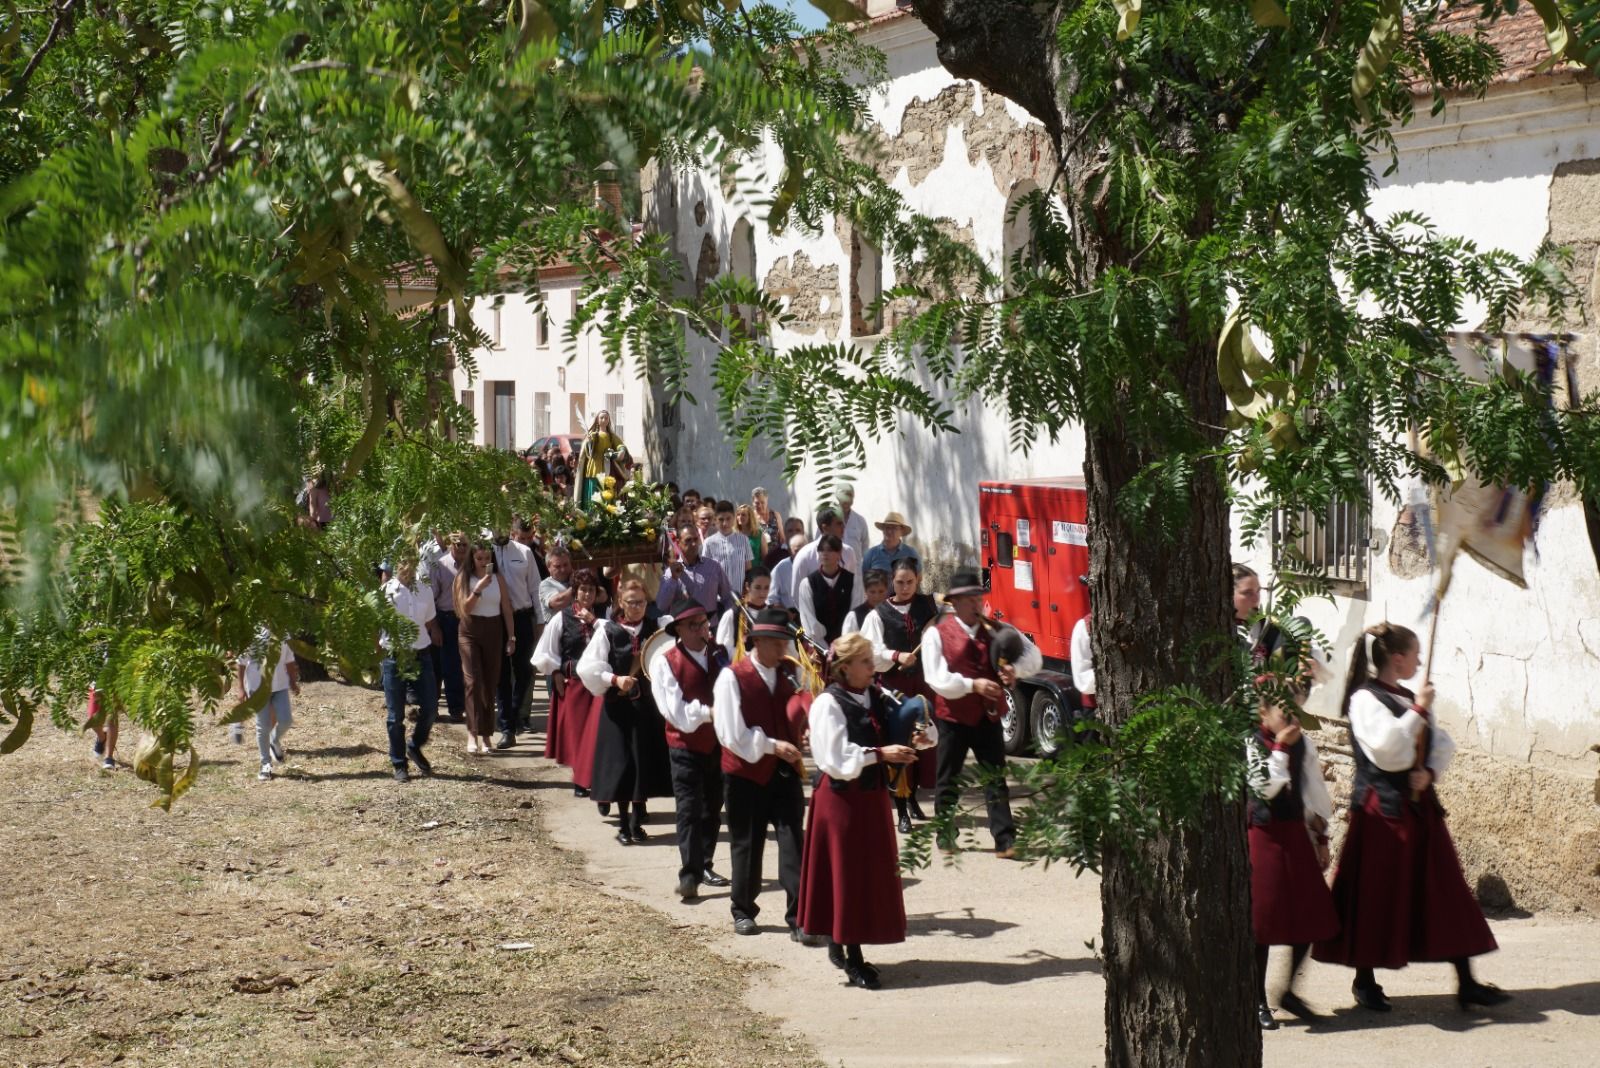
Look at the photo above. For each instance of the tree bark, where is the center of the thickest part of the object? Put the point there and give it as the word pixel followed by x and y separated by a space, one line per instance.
pixel 1176 932
pixel 1179 965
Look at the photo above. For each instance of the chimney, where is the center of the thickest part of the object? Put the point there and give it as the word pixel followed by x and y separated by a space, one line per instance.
pixel 607 190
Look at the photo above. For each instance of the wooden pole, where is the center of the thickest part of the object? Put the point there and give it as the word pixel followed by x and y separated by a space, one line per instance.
pixel 1424 736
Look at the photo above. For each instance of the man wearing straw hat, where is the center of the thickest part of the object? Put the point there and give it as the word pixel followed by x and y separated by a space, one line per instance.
pixel 969 678
pixel 893 548
pixel 762 769
pixel 683 678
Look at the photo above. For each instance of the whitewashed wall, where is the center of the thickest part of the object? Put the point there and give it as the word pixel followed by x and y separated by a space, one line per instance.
pixel 1517 670
pixel 933 481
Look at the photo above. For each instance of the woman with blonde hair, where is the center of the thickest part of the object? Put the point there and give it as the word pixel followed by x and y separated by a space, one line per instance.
pixel 850 890
pixel 744 521
pixel 483 605
pixel 767 519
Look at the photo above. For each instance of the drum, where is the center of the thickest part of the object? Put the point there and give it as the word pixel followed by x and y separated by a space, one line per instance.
pixel 655 647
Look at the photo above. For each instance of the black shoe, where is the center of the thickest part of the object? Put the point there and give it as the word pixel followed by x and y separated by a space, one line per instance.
pixel 1371 997
pixel 1264 1018
pixel 624 837
pixel 744 926
pixel 578 791
pixel 836 956
pixel 905 822
pixel 422 762
pixel 99 747
pixel 637 831
pixel 402 775
pixel 506 741
pixel 458 717
pixel 688 887
pixel 916 810
pixel 1291 1004
pixel 1478 993
pixel 711 878
pixel 605 808
pixel 797 935
pixel 858 976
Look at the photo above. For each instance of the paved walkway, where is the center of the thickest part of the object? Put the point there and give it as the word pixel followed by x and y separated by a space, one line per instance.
pixel 996 970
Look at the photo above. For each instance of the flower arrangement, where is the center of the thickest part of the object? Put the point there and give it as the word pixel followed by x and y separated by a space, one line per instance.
pixel 628 512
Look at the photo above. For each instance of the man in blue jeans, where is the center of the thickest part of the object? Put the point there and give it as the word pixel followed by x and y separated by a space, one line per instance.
pixel 411 602
pixel 446 654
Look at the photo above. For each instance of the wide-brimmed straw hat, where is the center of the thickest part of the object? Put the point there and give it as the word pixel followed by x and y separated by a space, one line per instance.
pixel 964 582
pixel 894 519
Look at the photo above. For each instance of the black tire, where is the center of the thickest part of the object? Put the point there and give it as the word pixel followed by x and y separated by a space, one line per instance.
pixel 1049 723
pixel 1014 723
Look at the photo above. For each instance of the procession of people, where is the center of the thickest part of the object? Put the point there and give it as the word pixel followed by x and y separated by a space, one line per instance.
pixel 763 646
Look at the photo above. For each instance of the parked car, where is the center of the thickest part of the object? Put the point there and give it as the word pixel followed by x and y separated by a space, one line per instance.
pixel 1035 546
pixel 569 444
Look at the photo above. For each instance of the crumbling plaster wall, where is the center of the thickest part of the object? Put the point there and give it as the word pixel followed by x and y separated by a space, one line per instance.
pixel 955 153
pixel 1518 671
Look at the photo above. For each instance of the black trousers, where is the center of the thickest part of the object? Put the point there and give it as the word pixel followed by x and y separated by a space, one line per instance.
pixel 987 742
pixel 697 789
pixel 516 673
pixel 751 809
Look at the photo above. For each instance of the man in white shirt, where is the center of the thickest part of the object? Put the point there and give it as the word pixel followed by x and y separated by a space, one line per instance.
pixel 416 604
pixel 783 574
pixel 683 679
pixel 728 547
pixel 828 595
pixel 274 717
pixel 516 563
pixel 856 535
pixel 959 665
pixel 441 580
pixel 829 521
pixel 762 769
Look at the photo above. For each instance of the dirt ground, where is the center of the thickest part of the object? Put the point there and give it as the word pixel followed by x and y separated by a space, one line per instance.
pixel 333 917
pixel 371 917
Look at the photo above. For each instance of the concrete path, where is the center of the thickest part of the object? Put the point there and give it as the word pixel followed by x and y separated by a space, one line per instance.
pixel 997 969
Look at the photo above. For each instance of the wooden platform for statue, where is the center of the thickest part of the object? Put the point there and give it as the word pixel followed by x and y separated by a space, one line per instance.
pixel 641 561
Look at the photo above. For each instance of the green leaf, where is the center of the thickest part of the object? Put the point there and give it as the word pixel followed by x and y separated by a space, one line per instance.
pixel 1376 53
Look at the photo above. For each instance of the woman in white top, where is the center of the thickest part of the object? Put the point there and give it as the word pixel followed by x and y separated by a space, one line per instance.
pixel 850 888
pixel 483 605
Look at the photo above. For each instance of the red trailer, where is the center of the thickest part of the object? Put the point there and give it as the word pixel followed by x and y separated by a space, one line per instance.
pixel 1035 548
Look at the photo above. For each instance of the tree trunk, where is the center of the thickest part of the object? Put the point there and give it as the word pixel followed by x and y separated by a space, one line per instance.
pixel 1176 916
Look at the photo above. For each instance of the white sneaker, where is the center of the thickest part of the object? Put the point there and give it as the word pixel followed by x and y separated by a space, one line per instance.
pixel 266 772
pixel 108 765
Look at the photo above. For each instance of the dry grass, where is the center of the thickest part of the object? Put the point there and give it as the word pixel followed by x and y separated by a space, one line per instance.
pixel 135 937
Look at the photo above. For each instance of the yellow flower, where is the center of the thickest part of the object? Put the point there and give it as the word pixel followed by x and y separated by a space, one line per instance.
pixel 574 543
pixel 607 495
pixel 609 482
pixel 650 533
pixel 580 523
pixel 613 509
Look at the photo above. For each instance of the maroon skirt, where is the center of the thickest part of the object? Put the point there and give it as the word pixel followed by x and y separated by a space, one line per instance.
pixel 1400 894
pixel 849 872
pixel 587 737
pixel 569 716
pixel 1289 902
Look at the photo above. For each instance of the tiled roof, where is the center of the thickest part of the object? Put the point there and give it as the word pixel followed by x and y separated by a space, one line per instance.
pixel 1519 39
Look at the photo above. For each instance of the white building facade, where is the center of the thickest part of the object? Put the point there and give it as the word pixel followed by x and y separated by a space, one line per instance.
pixel 1517 670
pixel 530 384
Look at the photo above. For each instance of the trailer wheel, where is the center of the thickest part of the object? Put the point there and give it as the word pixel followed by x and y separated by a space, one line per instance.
pixel 1014 723
pixel 1048 724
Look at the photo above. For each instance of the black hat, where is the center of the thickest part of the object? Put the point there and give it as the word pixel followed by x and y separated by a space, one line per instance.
pixel 683 609
pixel 772 622
pixel 965 581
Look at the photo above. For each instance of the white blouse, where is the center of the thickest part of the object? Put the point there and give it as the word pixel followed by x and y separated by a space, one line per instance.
pixel 594 666
pixel 1390 741
pixel 834 753
pixel 1270 775
pixel 685 716
pixel 489 600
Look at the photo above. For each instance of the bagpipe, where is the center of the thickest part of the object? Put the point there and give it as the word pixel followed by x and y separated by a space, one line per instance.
pixel 908 717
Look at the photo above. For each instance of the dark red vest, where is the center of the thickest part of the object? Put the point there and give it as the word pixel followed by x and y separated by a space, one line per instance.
pixel 969 657
pixel 763 709
pixel 696 683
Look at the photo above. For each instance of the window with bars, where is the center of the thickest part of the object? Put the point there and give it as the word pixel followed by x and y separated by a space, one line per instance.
pixel 1332 542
